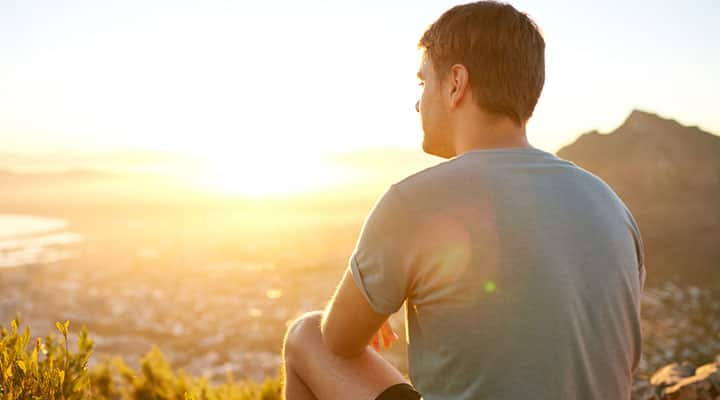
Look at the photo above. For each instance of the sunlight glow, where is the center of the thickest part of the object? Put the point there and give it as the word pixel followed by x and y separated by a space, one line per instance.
pixel 193 77
pixel 263 175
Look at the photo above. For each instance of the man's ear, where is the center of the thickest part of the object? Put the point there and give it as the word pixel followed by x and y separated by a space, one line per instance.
pixel 459 84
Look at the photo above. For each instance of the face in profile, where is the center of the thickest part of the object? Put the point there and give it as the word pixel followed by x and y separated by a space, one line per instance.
pixel 433 112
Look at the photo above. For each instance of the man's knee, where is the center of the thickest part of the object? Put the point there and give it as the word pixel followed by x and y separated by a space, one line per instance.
pixel 300 331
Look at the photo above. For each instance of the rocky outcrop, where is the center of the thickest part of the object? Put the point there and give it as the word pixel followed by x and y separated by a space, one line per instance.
pixel 681 382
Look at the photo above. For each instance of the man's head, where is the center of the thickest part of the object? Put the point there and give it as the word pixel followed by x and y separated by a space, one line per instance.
pixel 480 58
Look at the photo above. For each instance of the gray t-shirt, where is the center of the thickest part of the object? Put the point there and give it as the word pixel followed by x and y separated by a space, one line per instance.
pixel 522 274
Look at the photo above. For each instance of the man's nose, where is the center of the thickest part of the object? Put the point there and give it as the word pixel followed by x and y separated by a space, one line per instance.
pixel 417 106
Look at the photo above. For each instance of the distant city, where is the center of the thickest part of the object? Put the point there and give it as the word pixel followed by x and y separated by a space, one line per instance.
pixel 207 317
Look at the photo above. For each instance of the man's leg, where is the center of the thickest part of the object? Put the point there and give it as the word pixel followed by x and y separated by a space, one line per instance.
pixel 311 371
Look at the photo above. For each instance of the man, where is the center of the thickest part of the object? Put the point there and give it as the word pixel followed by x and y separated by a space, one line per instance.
pixel 521 272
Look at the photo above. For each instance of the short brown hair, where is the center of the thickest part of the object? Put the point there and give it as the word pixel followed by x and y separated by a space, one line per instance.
pixel 502 49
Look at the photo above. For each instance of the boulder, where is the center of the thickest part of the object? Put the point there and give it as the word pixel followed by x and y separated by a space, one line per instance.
pixel 704 384
pixel 680 382
pixel 671 374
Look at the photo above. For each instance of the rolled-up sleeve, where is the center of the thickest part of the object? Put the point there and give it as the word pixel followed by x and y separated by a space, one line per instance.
pixel 379 262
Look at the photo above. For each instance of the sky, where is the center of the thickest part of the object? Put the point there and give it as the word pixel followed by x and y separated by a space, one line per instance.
pixel 233 79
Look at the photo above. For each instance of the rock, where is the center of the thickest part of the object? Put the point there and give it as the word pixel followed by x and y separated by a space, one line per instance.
pixel 703 385
pixel 712 372
pixel 671 374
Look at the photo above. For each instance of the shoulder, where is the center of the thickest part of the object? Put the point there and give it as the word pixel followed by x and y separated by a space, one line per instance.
pixel 591 180
pixel 427 180
pixel 401 197
pixel 600 185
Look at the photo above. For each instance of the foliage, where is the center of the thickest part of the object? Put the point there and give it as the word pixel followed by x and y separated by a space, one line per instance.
pixel 51 371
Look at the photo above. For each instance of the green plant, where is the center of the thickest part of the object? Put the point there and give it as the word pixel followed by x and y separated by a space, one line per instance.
pixel 51 371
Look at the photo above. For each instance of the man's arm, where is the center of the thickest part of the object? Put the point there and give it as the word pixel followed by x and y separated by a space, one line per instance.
pixel 349 322
pixel 375 283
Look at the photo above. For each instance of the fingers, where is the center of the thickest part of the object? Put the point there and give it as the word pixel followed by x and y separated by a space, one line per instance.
pixel 375 342
pixel 384 337
pixel 388 334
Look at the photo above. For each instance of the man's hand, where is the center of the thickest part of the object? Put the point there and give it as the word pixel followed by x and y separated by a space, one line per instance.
pixel 384 336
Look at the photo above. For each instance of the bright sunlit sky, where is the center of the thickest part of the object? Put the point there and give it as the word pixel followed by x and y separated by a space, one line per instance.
pixel 256 79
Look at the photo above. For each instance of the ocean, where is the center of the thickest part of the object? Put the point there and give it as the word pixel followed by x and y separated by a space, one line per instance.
pixel 27 240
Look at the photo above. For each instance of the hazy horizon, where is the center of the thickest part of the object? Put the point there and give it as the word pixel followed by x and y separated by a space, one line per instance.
pixel 370 167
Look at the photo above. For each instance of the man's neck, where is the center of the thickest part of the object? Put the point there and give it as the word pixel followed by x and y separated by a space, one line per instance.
pixel 502 133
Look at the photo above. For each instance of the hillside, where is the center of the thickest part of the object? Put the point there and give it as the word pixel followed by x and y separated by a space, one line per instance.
pixel 669 176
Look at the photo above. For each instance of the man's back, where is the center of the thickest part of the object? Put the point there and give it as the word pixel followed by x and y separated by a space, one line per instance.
pixel 522 275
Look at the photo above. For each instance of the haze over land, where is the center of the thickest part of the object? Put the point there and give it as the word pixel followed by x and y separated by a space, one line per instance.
pixel 161 260
pixel 667 173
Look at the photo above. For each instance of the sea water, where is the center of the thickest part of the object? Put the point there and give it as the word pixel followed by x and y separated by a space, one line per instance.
pixel 27 239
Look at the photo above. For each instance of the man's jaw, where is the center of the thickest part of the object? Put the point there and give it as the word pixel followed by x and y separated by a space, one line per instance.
pixel 438 150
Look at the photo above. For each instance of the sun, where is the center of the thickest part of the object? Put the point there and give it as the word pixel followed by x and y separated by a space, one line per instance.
pixel 273 174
